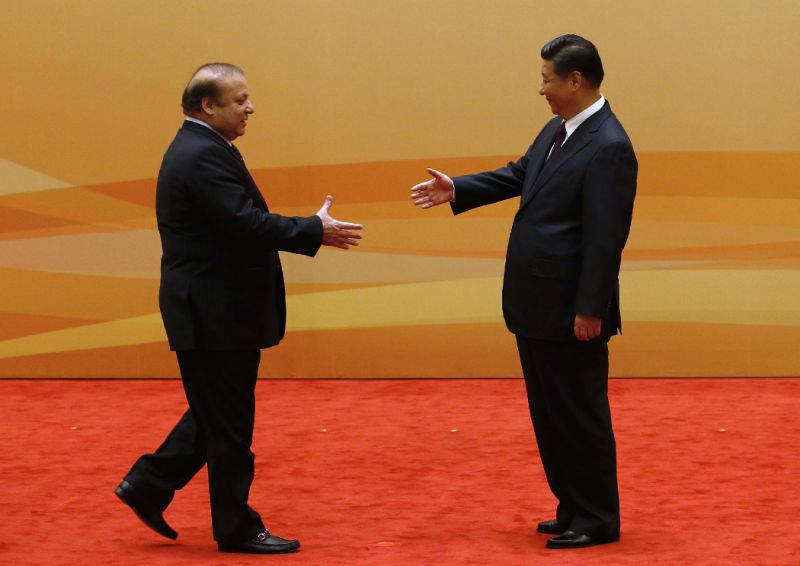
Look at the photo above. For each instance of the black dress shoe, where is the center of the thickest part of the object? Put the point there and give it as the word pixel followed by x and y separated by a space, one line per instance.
pixel 264 543
pixel 552 527
pixel 150 515
pixel 574 539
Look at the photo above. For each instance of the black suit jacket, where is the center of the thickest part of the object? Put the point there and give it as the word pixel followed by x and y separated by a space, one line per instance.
pixel 574 217
pixel 221 279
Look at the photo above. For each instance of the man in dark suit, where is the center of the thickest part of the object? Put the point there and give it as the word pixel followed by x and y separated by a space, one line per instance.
pixel 577 183
pixel 222 299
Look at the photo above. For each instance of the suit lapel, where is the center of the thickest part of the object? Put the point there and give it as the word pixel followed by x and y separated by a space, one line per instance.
pixel 250 185
pixel 579 139
pixel 255 192
pixel 539 156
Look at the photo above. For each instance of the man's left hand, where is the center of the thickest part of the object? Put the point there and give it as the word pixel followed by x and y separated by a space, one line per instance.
pixel 587 327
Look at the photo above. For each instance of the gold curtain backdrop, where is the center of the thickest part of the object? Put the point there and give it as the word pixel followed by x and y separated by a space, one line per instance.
pixel 355 98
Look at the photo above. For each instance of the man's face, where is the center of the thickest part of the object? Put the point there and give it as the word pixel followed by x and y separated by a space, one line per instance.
pixel 557 90
pixel 232 109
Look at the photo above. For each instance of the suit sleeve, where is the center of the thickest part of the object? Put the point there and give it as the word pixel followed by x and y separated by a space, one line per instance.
pixel 216 187
pixel 481 189
pixel 607 206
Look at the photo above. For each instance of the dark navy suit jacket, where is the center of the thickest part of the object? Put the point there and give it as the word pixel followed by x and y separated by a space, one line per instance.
pixel 573 221
pixel 221 279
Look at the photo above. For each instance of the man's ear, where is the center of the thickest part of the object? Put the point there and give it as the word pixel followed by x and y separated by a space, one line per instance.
pixel 208 106
pixel 575 80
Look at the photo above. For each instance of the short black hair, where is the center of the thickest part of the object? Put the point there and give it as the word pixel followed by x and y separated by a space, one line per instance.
pixel 207 85
pixel 572 52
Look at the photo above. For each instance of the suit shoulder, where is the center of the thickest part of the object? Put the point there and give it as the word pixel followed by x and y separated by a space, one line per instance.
pixel 190 141
pixel 612 132
pixel 189 147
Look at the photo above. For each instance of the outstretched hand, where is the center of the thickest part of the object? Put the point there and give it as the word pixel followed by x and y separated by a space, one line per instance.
pixel 335 233
pixel 433 192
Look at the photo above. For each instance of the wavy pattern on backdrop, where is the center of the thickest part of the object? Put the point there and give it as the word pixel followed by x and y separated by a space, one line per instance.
pixel 709 282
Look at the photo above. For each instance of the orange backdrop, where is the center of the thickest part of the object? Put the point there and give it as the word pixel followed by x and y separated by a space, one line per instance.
pixel 355 98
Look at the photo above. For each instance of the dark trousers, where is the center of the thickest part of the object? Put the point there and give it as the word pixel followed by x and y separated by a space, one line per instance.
pixel 216 430
pixel 567 386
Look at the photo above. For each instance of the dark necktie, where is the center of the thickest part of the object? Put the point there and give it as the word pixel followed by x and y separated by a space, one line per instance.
pixel 561 134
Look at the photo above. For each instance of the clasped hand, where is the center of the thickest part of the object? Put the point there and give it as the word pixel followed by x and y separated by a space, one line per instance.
pixel 587 327
pixel 334 232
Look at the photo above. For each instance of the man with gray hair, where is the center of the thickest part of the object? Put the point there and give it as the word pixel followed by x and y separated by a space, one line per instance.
pixel 222 300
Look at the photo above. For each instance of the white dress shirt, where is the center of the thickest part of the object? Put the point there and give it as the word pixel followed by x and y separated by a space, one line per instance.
pixel 572 124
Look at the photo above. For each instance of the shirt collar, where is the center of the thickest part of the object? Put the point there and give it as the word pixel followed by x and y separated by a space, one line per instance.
pixel 207 125
pixel 572 124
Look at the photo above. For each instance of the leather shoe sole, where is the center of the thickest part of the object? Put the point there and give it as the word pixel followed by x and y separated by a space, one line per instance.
pixel 552 527
pixel 149 515
pixel 265 543
pixel 574 539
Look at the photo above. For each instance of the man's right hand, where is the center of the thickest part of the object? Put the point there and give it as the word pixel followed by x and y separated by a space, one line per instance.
pixel 335 233
pixel 436 191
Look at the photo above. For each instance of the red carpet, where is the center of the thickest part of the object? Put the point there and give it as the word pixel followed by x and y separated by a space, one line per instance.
pixel 409 472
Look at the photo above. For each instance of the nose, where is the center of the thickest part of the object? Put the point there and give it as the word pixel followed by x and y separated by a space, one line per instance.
pixel 250 108
pixel 541 90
